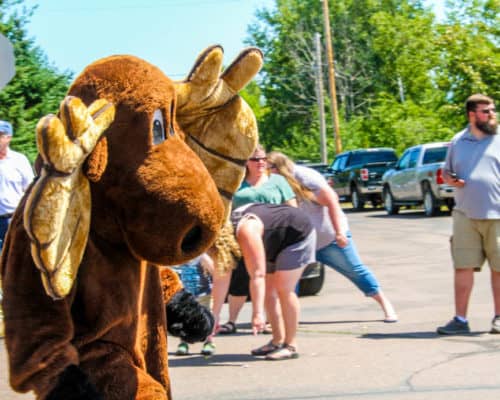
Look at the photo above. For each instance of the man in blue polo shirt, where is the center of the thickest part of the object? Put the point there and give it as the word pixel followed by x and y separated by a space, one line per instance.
pixel 15 176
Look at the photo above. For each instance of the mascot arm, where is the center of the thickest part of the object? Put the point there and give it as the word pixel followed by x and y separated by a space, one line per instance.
pixel 56 211
pixel 186 318
pixel 73 384
pixel 38 329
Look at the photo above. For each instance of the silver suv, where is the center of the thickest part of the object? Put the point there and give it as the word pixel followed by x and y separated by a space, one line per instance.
pixel 417 179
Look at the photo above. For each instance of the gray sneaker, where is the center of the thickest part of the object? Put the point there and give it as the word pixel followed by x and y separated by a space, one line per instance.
pixel 455 327
pixel 495 325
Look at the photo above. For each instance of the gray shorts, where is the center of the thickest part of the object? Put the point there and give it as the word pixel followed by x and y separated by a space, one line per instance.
pixel 295 256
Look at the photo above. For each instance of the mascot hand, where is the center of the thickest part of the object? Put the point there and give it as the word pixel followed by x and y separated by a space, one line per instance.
pixel 220 126
pixel 188 319
pixel 74 385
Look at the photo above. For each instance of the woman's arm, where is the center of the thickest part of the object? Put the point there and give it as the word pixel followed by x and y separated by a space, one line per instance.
pixel 327 197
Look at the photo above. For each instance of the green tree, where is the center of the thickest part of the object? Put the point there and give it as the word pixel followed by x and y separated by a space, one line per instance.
pixel 286 37
pixel 37 87
pixel 252 94
pixel 401 75
pixel 470 60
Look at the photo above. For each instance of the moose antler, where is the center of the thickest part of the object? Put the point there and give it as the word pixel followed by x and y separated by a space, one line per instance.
pixel 220 126
pixel 57 212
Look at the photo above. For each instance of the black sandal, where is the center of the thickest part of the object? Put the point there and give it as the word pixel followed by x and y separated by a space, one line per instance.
pixel 227 329
pixel 285 352
pixel 266 349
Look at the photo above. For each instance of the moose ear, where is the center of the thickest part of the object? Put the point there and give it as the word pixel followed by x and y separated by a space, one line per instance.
pixel 96 162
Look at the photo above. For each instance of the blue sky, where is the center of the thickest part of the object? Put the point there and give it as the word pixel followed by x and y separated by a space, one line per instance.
pixel 167 33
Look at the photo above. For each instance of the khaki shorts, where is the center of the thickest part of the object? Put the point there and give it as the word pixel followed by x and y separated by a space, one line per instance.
pixel 474 241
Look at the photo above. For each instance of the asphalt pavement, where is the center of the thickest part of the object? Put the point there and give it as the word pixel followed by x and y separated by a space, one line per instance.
pixel 346 351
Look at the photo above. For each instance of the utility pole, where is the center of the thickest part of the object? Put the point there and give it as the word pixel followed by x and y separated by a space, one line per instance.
pixel 319 96
pixel 331 77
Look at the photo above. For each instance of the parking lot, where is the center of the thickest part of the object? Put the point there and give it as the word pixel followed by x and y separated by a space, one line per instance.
pixel 346 351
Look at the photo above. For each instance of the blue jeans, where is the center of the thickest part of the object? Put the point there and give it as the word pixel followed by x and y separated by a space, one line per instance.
pixel 4 224
pixel 347 261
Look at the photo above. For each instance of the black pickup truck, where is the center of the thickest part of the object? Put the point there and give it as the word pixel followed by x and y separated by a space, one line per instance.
pixel 356 175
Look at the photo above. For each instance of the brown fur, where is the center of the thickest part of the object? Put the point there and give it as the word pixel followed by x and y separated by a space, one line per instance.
pixel 145 200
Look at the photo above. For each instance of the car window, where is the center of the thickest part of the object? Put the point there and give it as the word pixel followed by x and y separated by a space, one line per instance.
pixel 435 155
pixel 373 157
pixel 335 164
pixel 339 163
pixel 414 154
pixel 343 162
pixel 404 160
pixel 364 157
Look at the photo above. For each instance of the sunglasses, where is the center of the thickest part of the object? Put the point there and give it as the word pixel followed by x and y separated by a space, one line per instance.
pixel 257 159
pixel 487 111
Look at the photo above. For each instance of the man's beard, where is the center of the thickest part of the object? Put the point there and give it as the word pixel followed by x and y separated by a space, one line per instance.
pixel 488 127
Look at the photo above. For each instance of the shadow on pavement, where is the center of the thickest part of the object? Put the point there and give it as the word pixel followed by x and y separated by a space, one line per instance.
pixel 222 360
pixel 352 321
pixel 353 211
pixel 413 214
pixel 415 335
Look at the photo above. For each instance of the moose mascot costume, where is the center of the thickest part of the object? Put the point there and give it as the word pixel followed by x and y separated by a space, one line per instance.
pixel 135 173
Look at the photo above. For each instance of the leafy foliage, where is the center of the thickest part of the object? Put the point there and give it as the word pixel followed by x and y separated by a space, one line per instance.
pixel 36 89
pixel 401 76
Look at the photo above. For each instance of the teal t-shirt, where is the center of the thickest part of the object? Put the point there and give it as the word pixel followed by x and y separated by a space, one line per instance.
pixel 275 191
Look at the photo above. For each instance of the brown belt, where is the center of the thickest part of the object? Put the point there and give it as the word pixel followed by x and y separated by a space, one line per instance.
pixel 6 216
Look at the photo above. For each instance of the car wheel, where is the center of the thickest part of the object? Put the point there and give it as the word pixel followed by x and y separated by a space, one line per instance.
pixel 312 286
pixel 431 206
pixel 389 205
pixel 357 199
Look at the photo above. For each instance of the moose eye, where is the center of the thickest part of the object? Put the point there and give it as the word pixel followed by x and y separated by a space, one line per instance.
pixel 158 128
